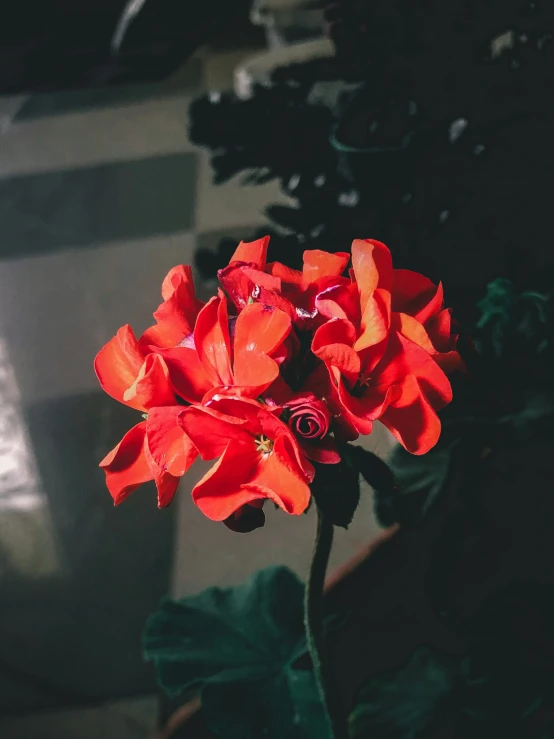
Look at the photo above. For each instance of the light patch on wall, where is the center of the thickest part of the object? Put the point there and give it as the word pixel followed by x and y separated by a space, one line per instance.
pixel 28 545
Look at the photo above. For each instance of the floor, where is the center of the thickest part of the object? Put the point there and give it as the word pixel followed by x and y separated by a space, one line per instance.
pixel 100 193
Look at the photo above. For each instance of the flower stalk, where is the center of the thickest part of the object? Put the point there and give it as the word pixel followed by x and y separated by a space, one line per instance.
pixel 313 624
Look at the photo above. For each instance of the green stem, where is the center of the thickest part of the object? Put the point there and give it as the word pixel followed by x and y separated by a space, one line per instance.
pixel 313 623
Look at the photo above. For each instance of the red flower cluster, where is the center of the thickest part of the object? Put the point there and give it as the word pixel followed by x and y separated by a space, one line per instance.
pixel 273 372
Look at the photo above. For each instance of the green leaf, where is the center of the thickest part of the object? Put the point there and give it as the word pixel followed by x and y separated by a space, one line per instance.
pixel 336 489
pixel 419 481
pixel 238 647
pixel 381 478
pixel 513 321
pixel 404 703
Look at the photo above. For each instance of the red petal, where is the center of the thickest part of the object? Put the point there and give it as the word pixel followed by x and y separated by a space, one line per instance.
pixel 416 295
pixel 118 363
pixel 433 307
pixel 165 335
pixel 266 289
pixel 244 283
pixel 261 328
pixel 412 420
pixel 332 343
pixel 323 450
pixel 166 486
pixel 246 409
pixel 259 331
pixel 340 301
pixel 440 332
pixel 404 358
pixel 278 477
pixel 412 330
pixel 188 376
pixel 176 316
pixel 211 429
pixel 337 331
pixel 240 392
pixel 180 275
pixel 444 339
pixel 166 483
pixel 170 447
pixel 180 309
pixel 175 321
pixel 152 386
pixel 254 252
pixel 318 263
pixel 372 263
pixel 254 373
pixel 284 273
pixel 362 411
pixel 375 320
pixel 127 466
pixel 212 341
pixel 221 492
pixel 274 428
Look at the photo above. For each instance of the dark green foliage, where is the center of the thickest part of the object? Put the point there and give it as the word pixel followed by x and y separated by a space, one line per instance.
pixel 498 688
pixel 513 337
pixel 238 647
pixel 405 703
pixel 512 322
pixel 378 474
pixel 372 468
pixel 336 489
pixel 420 481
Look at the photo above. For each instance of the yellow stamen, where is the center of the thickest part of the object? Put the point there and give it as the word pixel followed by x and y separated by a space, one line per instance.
pixel 263 444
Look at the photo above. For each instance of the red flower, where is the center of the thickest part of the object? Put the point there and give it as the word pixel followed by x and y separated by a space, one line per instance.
pixel 245 280
pixel 249 278
pixel 302 360
pixel 415 296
pixel 132 376
pixel 135 372
pixel 130 465
pixel 310 420
pixel 382 363
pixel 176 316
pixel 157 449
pixel 229 354
pixel 258 458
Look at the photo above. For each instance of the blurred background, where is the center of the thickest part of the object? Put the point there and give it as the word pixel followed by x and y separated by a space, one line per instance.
pixel 139 135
